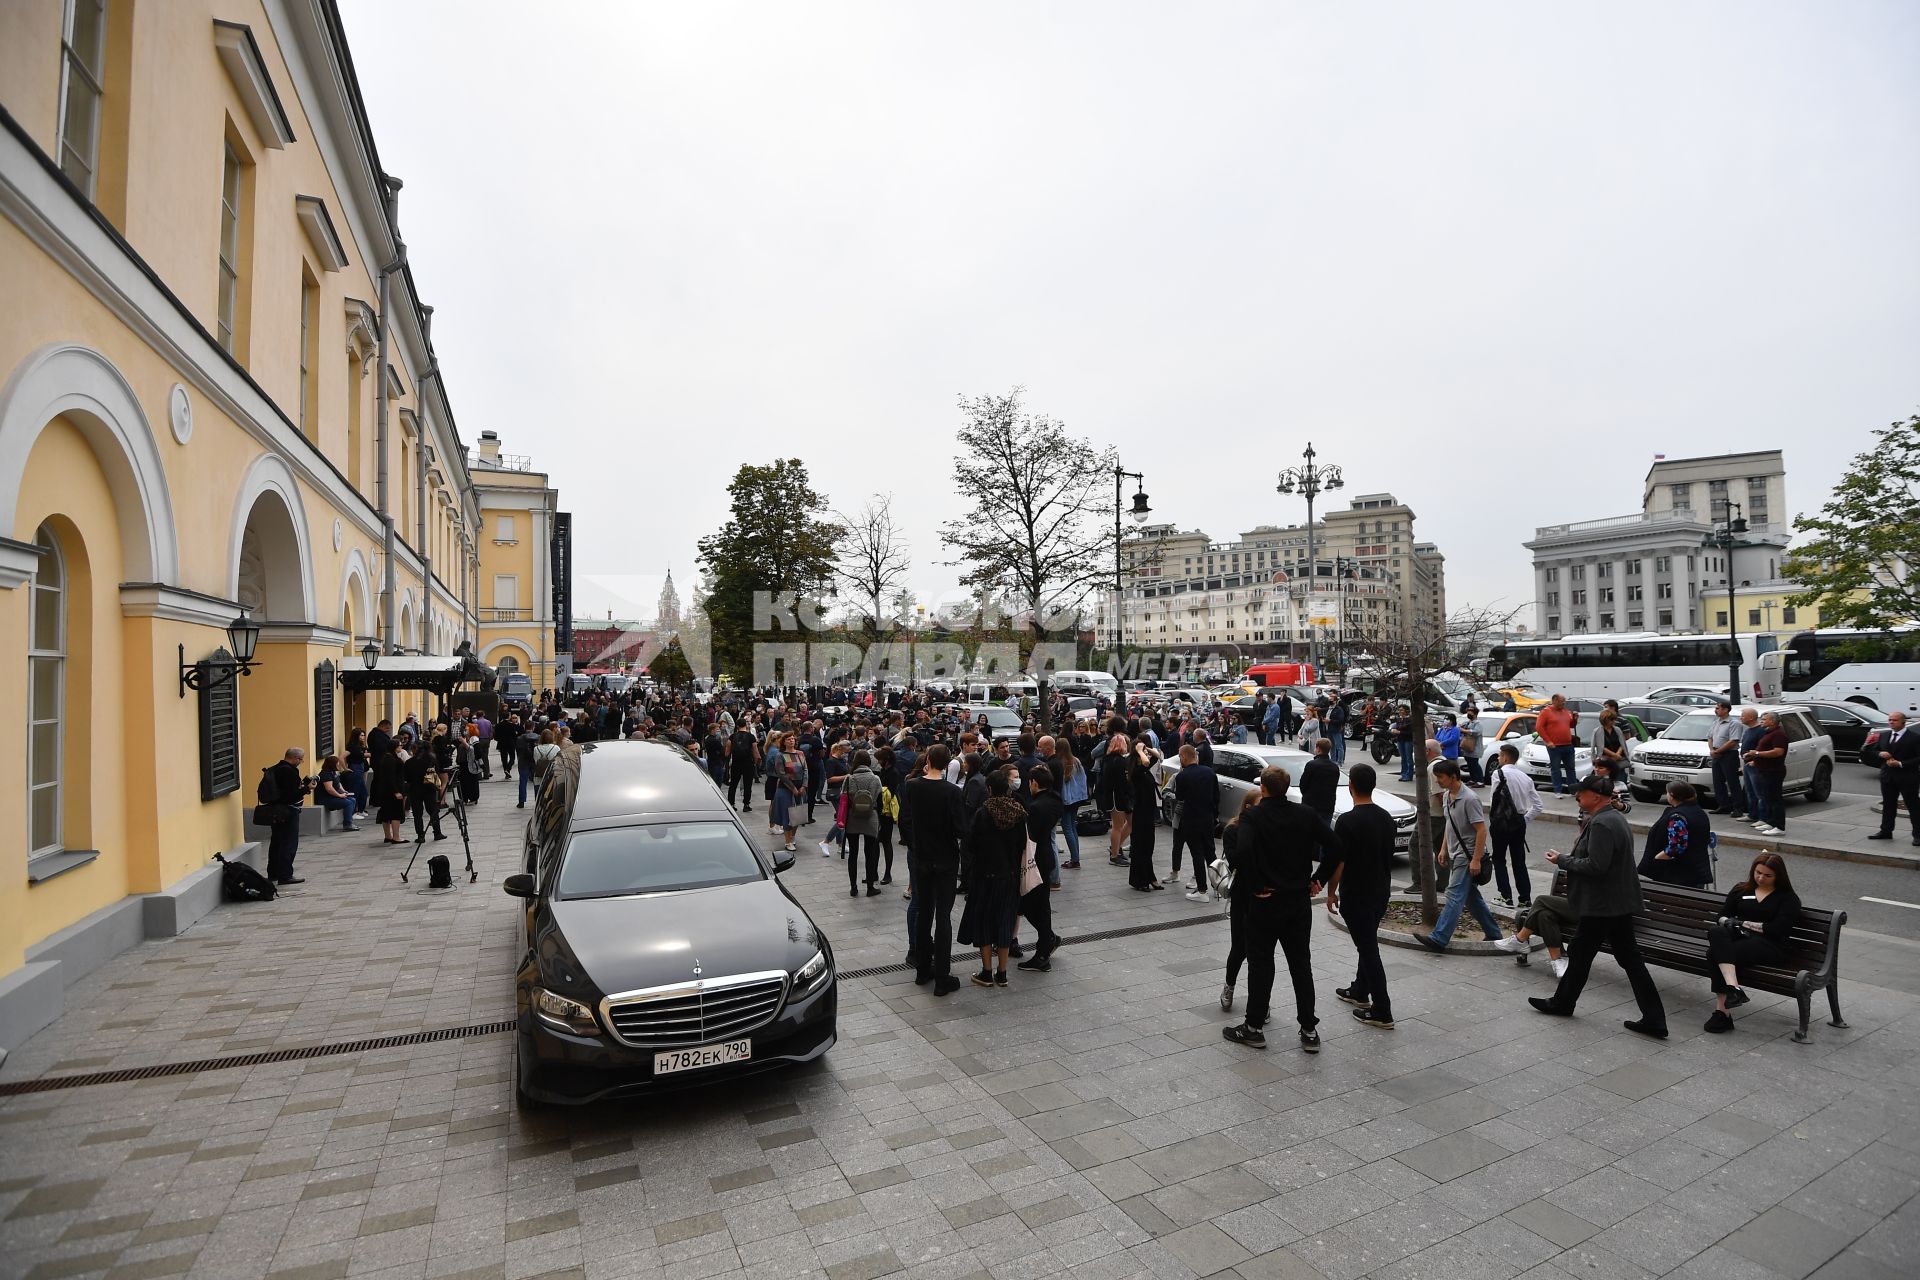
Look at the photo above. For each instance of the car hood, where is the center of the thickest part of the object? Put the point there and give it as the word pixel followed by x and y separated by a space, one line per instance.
pixel 627 944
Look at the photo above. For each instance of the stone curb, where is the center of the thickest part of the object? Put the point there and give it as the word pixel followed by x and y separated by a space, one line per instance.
pixel 1759 843
pixel 1457 946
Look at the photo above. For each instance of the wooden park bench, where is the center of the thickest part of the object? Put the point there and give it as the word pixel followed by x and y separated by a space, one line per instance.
pixel 1672 932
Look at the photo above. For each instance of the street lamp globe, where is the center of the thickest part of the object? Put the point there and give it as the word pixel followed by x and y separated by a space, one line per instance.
pixel 243 634
pixel 370 654
pixel 1140 510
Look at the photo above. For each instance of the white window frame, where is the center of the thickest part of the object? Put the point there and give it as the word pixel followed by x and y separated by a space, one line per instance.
pixel 50 556
pixel 309 319
pixel 504 530
pixel 229 300
pixel 93 81
pixel 512 581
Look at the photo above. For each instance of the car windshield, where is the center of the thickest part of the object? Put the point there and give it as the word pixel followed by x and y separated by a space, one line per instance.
pixel 1690 728
pixel 1001 718
pixel 656 859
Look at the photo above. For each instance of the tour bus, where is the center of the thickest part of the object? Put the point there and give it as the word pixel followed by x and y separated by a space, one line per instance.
pixel 1627 666
pixel 1879 669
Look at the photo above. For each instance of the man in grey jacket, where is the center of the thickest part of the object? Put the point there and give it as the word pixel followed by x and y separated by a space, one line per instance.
pixel 1603 889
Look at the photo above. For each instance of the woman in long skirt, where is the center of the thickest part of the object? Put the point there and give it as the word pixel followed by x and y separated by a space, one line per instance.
pixel 1145 793
pixel 996 846
pixel 793 786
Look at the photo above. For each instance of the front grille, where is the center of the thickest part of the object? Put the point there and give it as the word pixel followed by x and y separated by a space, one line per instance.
pixel 1668 760
pixel 697 1012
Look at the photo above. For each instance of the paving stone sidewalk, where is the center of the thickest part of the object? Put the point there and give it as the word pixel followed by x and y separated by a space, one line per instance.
pixel 1089 1121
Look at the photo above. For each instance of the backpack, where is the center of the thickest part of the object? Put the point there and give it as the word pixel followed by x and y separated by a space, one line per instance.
pixel 860 802
pixel 241 883
pixel 266 793
pixel 1502 814
pixel 439 872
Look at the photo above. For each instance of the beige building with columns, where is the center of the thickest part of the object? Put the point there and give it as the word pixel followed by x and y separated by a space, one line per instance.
pixel 218 393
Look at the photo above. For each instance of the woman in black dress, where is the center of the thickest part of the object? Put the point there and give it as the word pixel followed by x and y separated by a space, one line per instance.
pixel 1146 796
pixel 996 845
pixel 1116 781
pixel 389 792
pixel 1760 913
pixel 890 779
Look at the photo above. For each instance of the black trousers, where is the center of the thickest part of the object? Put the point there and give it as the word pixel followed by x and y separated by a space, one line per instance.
pixel 1728 791
pixel 1902 784
pixel 1740 949
pixel 1200 841
pixel 932 940
pixel 854 841
pixel 508 749
pixel 1037 908
pixel 740 782
pixel 426 806
pixel 1370 976
pixel 1617 931
pixel 1236 936
pixel 1289 925
pixel 886 843
pixel 1140 851
pixel 815 780
pixel 283 842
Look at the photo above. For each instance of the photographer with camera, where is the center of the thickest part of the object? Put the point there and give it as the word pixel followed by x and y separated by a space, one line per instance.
pixel 282 791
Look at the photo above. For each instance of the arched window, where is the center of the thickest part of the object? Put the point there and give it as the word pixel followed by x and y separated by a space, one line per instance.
pixel 46 682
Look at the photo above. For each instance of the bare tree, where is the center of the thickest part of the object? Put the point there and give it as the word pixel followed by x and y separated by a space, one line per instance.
pixel 1409 654
pixel 1033 531
pixel 873 557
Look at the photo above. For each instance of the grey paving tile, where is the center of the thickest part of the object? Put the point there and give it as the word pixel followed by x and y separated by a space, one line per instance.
pixel 57 1197
pixel 543 1224
pixel 1280 1264
pixel 1446 1158
pixel 1787 1242
pixel 1638 1080
pixel 1551 1222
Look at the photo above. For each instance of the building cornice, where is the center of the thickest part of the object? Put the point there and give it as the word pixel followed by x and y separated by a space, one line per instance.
pixel 18 560
pixel 176 604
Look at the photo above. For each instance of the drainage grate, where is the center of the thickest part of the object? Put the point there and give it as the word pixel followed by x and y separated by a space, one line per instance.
pixel 46 1084
pixel 1103 935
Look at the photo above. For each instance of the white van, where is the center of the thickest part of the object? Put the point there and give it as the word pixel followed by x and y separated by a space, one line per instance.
pixel 1094 684
pixel 996 694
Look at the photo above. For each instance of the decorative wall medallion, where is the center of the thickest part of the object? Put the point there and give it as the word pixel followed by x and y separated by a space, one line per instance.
pixel 338 535
pixel 180 413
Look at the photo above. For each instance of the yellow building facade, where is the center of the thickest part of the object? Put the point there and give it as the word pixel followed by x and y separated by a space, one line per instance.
pixel 516 532
pixel 218 394
pixel 1762 609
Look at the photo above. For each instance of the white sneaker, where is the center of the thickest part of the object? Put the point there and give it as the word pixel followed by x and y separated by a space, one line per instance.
pixel 1770 831
pixel 1196 896
pixel 1510 943
pixel 1560 967
pixel 826 848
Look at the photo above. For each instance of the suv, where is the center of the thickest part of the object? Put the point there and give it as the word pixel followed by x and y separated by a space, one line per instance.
pixel 660 948
pixel 1680 755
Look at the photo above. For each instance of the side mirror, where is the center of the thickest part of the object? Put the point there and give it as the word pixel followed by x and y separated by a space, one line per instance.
pixel 782 861
pixel 520 885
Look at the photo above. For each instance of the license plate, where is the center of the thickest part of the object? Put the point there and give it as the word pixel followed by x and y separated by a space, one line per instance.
pixel 706 1055
pixel 1666 775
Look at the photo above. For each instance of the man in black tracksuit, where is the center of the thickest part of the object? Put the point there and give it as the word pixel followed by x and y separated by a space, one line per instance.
pixel 744 761
pixel 1358 891
pixel 931 826
pixel 1273 866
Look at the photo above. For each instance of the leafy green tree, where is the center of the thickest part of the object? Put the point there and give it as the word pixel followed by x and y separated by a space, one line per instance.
pixel 670 667
pixel 778 539
pixel 1859 566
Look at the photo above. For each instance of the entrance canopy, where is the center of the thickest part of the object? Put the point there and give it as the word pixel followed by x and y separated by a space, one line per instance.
pixel 439 675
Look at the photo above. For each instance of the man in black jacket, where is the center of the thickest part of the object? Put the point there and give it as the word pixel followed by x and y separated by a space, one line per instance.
pixel 1899 756
pixel 289 791
pixel 1044 811
pixel 1273 866
pixel 1320 781
pixel 1196 795
pixel 930 824
pixel 1358 891
pixel 423 792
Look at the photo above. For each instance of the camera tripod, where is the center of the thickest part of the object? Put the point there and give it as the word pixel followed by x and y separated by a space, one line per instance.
pixel 458 806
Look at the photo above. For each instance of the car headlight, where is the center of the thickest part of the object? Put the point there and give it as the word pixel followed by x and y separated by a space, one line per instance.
pixel 810 975
pixel 570 1014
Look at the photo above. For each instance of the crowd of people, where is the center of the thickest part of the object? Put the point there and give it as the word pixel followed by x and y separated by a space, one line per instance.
pixel 994 819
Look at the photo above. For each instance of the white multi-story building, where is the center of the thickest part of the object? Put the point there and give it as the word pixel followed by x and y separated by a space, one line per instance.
pixel 1653 570
pixel 1256 597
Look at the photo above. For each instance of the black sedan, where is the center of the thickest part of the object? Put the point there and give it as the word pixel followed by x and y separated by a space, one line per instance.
pixel 661 949
pixel 1854 729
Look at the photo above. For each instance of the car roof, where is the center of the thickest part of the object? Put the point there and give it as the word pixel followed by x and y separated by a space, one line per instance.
pixel 1757 707
pixel 628 779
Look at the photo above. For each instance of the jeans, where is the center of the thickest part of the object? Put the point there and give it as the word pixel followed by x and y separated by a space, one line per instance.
pixel 932 918
pixel 1560 761
pixel 1617 930
pixel 524 775
pixel 1751 789
pixel 1070 828
pixel 1463 895
pixel 356 782
pixel 1406 761
pixel 1728 794
pixel 347 804
pixel 1773 808
pixel 283 842
pixel 1470 765
pixel 1510 847
pixel 1370 977
pixel 1272 921
pixel 1339 745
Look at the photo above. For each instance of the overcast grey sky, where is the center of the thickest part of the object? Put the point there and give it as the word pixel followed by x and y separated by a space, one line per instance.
pixel 1490 257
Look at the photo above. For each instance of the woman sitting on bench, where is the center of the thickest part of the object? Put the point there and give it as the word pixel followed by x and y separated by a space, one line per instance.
pixel 1754 928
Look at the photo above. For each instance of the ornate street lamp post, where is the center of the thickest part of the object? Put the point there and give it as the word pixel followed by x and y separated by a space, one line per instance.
pixel 1310 481
pixel 1138 515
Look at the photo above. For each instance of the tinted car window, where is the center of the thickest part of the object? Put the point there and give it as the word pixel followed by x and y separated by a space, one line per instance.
pixel 1797 728
pixel 656 859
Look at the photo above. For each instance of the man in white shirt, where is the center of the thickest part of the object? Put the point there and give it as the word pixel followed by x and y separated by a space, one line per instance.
pixel 1723 752
pixel 1511 809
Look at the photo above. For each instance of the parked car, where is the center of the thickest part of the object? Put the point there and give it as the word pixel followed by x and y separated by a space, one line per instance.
pixel 1497 728
pixel 1684 695
pixel 1238 769
pixel 1534 758
pixel 661 949
pixel 1655 717
pixel 1680 755
pixel 1853 727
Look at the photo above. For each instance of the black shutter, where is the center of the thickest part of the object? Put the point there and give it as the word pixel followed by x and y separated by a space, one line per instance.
pixel 323 710
pixel 219 727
